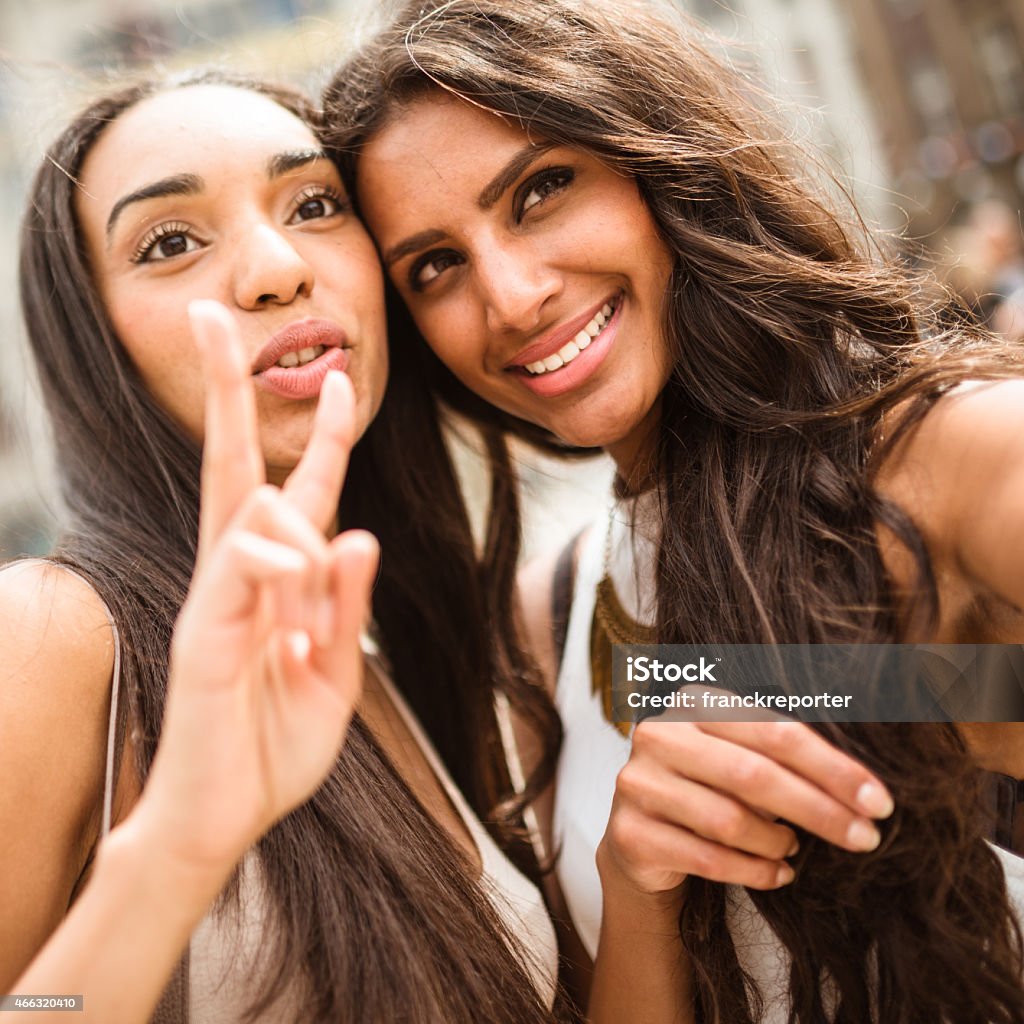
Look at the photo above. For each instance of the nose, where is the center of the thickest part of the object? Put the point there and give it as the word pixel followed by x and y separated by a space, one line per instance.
pixel 515 284
pixel 269 269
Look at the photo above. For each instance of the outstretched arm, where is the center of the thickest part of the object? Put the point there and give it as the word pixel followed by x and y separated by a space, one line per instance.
pixel 265 672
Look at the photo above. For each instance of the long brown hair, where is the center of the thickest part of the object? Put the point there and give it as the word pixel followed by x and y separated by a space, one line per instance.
pixel 371 906
pixel 790 339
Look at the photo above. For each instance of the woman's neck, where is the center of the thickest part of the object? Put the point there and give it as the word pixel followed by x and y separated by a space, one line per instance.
pixel 636 457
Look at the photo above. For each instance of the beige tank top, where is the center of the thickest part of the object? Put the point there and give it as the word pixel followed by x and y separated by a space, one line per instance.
pixel 214 981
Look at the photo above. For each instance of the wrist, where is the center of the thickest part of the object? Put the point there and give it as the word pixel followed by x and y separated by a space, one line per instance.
pixel 621 895
pixel 139 858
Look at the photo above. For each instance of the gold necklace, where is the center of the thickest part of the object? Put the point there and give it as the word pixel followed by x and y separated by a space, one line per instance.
pixel 611 624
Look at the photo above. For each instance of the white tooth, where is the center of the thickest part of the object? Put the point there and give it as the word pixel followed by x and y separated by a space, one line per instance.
pixel 288 360
pixel 581 345
pixel 537 367
pixel 307 355
pixel 552 362
pixel 593 328
pixel 607 310
pixel 569 352
pixel 582 336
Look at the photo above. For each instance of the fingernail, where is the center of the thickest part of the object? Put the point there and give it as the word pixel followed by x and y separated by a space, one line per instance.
pixel 784 875
pixel 298 641
pixel 794 849
pixel 862 835
pixel 874 801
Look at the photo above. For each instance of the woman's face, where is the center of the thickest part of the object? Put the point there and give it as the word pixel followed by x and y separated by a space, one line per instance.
pixel 217 192
pixel 536 273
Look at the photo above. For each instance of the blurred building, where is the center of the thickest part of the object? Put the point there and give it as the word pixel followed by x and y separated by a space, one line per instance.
pixel 946 81
pixel 802 51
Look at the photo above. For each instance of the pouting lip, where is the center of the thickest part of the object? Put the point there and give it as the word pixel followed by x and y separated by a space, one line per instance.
pixel 560 337
pixel 295 337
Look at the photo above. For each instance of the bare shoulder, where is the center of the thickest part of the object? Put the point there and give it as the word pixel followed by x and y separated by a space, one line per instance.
pixel 53 630
pixel 972 437
pixel 56 660
pixel 959 474
pixel 536 592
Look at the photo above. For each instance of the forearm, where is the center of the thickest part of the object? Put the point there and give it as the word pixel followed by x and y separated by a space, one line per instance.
pixel 121 940
pixel 641 973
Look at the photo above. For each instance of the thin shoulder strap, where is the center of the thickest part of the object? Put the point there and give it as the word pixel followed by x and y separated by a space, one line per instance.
pixel 115 690
pixel 562 586
pixel 1006 802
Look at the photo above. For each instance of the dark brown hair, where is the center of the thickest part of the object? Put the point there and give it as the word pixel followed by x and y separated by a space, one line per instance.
pixel 790 340
pixel 371 904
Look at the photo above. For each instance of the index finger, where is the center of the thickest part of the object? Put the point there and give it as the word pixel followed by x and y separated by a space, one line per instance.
pixel 232 457
pixel 314 486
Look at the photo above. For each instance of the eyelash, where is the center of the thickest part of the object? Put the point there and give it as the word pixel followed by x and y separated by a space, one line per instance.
pixel 311 192
pixel 156 235
pixel 559 177
pixel 167 230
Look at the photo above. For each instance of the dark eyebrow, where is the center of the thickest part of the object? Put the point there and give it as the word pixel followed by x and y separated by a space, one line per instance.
pixel 496 187
pixel 176 185
pixel 489 195
pixel 282 163
pixel 191 184
pixel 411 244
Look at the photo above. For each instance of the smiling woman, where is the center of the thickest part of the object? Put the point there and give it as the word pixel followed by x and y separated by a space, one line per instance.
pixel 347 887
pixel 804 457
pixel 575 234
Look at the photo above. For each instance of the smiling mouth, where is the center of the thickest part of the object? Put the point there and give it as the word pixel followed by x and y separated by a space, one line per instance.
pixel 568 352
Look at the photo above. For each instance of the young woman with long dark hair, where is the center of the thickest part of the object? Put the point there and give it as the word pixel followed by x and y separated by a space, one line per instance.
pixel 380 896
pixel 596 232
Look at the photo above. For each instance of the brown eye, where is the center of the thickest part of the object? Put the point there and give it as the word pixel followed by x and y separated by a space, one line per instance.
pixel 431 266
pixel 316 203
pixel 542 187
pixel 166 242
pixel 311 209
pixel 172 245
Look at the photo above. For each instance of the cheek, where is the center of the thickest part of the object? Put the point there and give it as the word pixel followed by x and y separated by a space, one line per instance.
pixel 451 332
pixel 159 343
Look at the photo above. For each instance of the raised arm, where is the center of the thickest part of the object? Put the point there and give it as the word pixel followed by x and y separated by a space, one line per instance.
pixel 265 672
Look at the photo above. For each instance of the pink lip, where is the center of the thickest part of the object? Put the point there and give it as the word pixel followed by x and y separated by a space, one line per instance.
pixel 558 338
pixel 558 382
pixel 300 382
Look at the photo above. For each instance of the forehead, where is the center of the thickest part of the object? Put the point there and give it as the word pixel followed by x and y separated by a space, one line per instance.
pixel 440 138
pixel 191 129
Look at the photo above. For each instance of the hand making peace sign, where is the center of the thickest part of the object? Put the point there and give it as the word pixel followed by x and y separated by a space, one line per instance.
pixel 266 666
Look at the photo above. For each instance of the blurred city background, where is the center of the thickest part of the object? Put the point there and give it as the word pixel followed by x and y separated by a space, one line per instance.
pixel 920 103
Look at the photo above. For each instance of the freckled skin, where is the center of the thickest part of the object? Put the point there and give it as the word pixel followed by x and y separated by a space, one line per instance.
pixel 549 249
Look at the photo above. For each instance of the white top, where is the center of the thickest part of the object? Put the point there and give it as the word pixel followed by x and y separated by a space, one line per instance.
pixel 224 947
pixel 594 752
